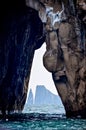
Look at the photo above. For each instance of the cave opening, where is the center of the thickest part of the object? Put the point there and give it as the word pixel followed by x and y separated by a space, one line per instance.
pixel 42 95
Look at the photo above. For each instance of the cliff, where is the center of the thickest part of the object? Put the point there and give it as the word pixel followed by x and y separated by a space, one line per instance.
pixel 22 30
pixel 65 56
pixel 30 99
pixel 43 97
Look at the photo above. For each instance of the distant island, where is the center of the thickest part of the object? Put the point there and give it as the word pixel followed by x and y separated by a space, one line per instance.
pixel 43 97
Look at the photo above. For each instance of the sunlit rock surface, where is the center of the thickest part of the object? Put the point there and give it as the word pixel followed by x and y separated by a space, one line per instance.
pixel 65 56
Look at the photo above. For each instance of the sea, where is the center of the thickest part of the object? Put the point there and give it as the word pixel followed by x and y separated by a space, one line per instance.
pixel 44 117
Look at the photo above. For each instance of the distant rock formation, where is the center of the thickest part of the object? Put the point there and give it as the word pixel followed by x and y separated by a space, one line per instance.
pixel 30 99
pixel 43 97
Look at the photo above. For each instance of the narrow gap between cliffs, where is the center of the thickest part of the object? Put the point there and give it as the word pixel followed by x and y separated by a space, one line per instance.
pixel 42 95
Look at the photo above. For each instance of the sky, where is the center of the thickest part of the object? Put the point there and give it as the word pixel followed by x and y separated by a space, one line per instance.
pixel 39 75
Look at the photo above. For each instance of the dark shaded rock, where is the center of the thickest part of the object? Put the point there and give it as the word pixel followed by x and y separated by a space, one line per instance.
pixel 76 114
pixel 21 33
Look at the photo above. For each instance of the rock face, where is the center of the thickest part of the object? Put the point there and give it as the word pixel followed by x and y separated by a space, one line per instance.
pixel 21 32
pixel 30 98
pixel 65 56
pixel 43 97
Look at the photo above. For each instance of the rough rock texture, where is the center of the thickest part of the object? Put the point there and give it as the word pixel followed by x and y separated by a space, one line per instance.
pixel 65 56
pixel 64 23
pixel 21 32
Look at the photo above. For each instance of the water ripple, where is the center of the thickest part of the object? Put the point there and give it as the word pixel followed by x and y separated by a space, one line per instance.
pixel 36 121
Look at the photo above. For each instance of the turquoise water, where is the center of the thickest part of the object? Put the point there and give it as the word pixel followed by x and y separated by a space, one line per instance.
pixel 42 118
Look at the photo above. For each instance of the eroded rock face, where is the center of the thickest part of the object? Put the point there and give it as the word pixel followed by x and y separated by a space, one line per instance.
pixel 65 56
pixel 20 35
